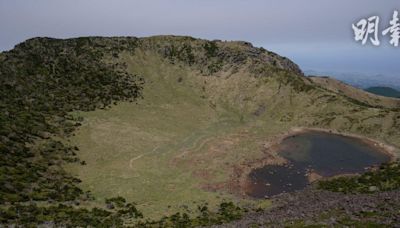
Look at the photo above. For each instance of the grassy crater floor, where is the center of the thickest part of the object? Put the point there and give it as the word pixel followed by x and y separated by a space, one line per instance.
pixel 180 145
pixel 210 111
pixel 169 149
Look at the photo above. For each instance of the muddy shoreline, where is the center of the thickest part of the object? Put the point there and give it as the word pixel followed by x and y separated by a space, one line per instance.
pixel 240 182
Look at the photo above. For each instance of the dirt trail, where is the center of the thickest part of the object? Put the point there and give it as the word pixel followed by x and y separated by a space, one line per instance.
pixel 140 156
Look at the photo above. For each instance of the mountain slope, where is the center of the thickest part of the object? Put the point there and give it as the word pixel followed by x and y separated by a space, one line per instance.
pixel 208 109
pixel 384 91
pixel 356 94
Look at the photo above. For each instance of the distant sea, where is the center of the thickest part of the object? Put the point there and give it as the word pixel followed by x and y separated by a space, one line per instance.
pixel 360 80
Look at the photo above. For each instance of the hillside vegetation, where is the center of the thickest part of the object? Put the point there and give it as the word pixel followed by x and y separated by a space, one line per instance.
pixel 384 91
pixel 202 112
pixel 369 98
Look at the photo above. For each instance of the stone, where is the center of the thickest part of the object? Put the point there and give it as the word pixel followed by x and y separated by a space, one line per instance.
pixel 373 188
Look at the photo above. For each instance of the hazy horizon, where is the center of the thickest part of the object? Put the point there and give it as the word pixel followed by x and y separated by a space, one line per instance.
pixel 316 35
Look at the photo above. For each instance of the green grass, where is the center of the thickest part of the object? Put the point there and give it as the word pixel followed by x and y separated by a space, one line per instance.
pixel 188 132
pixel 206 109
pixel 144 152
pixel 386 178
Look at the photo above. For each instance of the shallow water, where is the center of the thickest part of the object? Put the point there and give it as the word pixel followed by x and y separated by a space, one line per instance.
pixel 324 153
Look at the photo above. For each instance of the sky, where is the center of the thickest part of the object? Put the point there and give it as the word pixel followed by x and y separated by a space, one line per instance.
pixel 316 34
